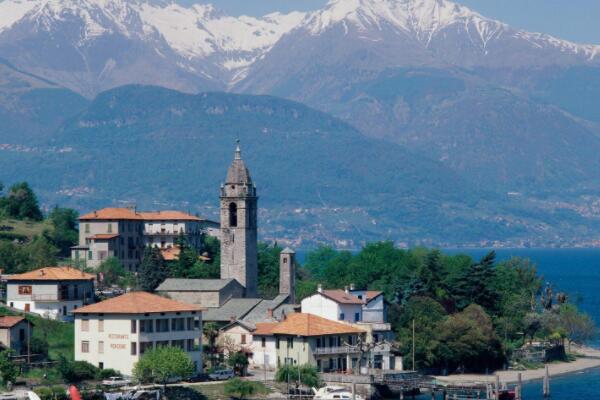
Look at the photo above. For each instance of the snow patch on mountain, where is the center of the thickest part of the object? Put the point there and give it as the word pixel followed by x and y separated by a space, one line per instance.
pixel 12 11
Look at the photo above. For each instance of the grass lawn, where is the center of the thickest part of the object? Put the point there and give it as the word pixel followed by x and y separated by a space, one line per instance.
pixel 60 336
pixel 26 229
pixel 216 391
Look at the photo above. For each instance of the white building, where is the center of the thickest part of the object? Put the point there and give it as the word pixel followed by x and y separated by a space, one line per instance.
pixel 52 292
pixel 335 305
pixel 365 309
pixel 115 333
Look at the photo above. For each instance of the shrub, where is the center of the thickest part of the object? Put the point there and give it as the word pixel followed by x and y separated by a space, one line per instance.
pixel 240 389
pixel 107 373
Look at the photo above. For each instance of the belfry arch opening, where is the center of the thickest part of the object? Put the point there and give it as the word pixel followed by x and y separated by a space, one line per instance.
pixel 233 216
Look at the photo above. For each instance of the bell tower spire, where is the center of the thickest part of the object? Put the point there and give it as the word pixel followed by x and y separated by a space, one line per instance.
pixel 239 259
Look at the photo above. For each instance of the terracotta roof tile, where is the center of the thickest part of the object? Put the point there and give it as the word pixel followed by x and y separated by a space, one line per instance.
pixel 53 274
pixel 168 215
pixel 138 303
pixel 171 253
pixel 371 294
pixel 302 324
pixel 341 296
pixel 9 321
pixel 265 328
pixel 111 214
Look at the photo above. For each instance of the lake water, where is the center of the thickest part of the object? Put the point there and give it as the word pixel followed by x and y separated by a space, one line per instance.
pixel 576 272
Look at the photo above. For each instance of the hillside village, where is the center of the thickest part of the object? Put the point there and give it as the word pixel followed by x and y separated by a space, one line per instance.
pixel 136 288
pixel 337 324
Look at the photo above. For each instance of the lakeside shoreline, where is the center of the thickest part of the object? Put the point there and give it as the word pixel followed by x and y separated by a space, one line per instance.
pixel 589 358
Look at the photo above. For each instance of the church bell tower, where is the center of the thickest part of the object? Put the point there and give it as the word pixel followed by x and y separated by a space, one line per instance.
pixel 239 259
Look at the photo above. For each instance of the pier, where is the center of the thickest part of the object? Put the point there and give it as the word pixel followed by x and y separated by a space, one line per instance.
pixel 406 385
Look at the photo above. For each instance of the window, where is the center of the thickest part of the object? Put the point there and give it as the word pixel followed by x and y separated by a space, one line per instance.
pixel 85 346
pixel 233 217
pixel 290 342
pixel 145 346
pixel 90 255
pixel 162 325
pixel 25 290
pixel 277 343
pixel 100 325
pixel 342 316
pixel 356 317
pixel 101 365
pixel 85 325
pixel 191 345
pixel 87 228
pixel 263 342
pixel 101 347
pixel 109 229
pixel 21 335
pixel 147 325
pixel 133 348
pixel 133 326
pixel 243 341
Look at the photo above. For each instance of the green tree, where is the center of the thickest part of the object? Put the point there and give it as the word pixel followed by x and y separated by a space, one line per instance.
pixel 185 261
pixel 8 370
pixel 39 253
pixel 427 315
pixel 64 234
pixel 467 341
pixel 153 270
pixel 578 327
pixel 238 361
pixel 21 203
pixel 475 284
pixel 163 363
pixel 239 389
pixel 203 270
pixel 268 270
pixel 113 273
pixel 307 373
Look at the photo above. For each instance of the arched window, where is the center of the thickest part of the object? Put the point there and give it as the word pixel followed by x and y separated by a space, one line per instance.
pixel 233 215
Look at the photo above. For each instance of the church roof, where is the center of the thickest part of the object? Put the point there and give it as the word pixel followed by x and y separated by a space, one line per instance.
pixel 238 173
pixel 259 313
pixel 233 309
pixel 193 285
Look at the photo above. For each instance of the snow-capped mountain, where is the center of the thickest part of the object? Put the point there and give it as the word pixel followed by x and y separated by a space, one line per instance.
pixel 91 45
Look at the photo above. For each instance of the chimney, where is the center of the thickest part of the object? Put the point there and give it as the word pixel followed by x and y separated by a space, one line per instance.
pixel 352 286
pixel 346 289
pixel 287 274
pixel 232 318
pixel 270 313
pixel 42 273
pixel 320 288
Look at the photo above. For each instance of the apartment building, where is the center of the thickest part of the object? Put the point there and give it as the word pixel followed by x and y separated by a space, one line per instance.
pixel 52 292
pixel 124 232
pixel 115 333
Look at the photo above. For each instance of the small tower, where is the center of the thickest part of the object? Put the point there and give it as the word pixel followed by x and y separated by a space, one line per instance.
pixel 287 274
pixel 239 258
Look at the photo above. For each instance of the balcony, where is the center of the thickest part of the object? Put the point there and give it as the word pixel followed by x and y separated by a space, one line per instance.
pixel 336 350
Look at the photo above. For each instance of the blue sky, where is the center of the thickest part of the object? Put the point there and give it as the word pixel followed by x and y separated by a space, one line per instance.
pixel 577 20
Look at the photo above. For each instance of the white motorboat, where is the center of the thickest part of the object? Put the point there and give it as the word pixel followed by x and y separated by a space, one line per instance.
pixel 335 393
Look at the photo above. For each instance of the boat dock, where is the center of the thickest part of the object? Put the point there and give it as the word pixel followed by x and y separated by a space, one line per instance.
pixel 404 385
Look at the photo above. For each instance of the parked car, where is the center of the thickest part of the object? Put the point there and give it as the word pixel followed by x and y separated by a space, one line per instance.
pixel 116 381
pixel 221 375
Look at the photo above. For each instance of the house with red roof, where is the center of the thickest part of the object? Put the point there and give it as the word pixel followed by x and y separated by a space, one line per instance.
pixel 116 332
pixel 365 309
pixel 15 334
pixel 52 292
